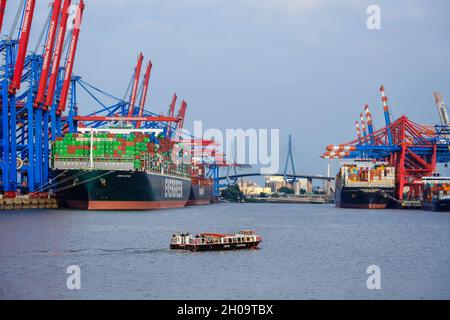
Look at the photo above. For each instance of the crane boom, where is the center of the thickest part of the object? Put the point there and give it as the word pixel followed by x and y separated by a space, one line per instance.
pixel 442 109
pixel 144 92
pixel 171 112
pixel 58 52
pixel 172 105
pixel 56 8
pixel 358 130
pixel 2 13
pixel 181 114
pixel 137 73
pixel 71 57
pixel 23 45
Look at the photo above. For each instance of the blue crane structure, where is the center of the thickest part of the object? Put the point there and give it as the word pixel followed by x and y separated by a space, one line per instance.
pixel 413 149
pixel 38 98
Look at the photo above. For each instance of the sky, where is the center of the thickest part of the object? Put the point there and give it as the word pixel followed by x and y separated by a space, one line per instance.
pixel 302 66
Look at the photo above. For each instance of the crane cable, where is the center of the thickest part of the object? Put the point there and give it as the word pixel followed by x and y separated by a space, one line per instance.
pixel 44 29
pixel 50 184
pixel 83 182
pixel 76 175
pixel 16 19
pixel 43 187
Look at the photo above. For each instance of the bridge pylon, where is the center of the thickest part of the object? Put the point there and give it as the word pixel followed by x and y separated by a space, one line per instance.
pixel 289 159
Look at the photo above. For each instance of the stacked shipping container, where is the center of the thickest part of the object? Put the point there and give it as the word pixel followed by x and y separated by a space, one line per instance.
pixel 378 175
pixel 436 188
pixel 130 151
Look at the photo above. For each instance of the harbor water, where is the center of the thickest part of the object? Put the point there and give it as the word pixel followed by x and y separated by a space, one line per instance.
pixel 307 252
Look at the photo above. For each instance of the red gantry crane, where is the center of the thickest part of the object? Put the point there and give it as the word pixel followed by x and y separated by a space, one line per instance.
pixel 134 90
pixel 48 51
pixel 23 45
pixel 71 57
pixel 144 93
pixel 413 149
pixel 58 52
pixel 2 13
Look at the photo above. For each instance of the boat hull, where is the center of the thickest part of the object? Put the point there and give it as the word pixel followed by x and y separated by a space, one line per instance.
pixel 216 246
pixel 122 190
pixel 364 198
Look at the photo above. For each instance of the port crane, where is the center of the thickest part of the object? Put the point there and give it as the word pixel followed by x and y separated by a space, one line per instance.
pixel 413 149
pixel 442 109
pixel 30 98
pixel 443 129
pixel 39 93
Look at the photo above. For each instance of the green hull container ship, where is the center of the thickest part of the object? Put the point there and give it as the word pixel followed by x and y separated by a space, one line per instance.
pixel 134 170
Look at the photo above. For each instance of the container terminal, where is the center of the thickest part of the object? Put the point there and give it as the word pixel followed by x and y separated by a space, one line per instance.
pixel 394 166
pixel 121 156
pixel 51 155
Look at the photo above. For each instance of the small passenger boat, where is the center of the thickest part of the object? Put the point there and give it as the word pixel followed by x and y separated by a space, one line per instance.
pixel 245 239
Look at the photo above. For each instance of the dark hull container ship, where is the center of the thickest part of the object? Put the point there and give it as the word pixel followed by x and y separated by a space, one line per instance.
pixel 436 194
pixel 436 205
pixel 365 186
pixel 364 198
pixel 119 171
pixel 201 187
pixel 201 192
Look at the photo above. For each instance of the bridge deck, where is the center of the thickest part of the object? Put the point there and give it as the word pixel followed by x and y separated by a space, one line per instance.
pixel 289 176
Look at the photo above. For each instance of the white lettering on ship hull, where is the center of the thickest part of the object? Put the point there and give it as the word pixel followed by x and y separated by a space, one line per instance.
pixel 173 188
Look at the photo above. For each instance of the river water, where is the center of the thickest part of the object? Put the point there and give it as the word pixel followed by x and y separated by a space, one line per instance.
pixel 307 252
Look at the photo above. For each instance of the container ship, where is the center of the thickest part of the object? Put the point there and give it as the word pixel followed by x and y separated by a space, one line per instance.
pixel 436 193
pixel 201 186
pixel 119 170
pixel 362 185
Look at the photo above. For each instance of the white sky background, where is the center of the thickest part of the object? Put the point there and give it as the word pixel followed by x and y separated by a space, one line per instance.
pixel 305 67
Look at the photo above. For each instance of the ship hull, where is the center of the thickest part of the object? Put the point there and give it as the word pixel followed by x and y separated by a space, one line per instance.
pixel 200 195
pixel 364 198
pixel 436 205
pixel 122 190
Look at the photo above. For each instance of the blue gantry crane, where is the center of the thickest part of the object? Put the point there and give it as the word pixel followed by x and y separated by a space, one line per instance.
pixel 39 92
pixel 34 92
pixel 413 149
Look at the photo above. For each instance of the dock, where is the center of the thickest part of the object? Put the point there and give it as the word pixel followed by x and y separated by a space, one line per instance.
pixel 27 202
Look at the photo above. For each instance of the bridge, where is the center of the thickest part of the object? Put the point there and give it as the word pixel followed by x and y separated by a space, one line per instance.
pixel 230 179
pixel 287 176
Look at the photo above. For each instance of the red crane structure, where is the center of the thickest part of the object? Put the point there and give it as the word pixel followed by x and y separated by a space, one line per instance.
pixel 181 114
pixel 2 13
pixel 23 45
pixel 57 54
pixel 134 90
pixel 171 113
pixel 71 58
pixel 40 95
pixel 144 92
pixel 413 149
